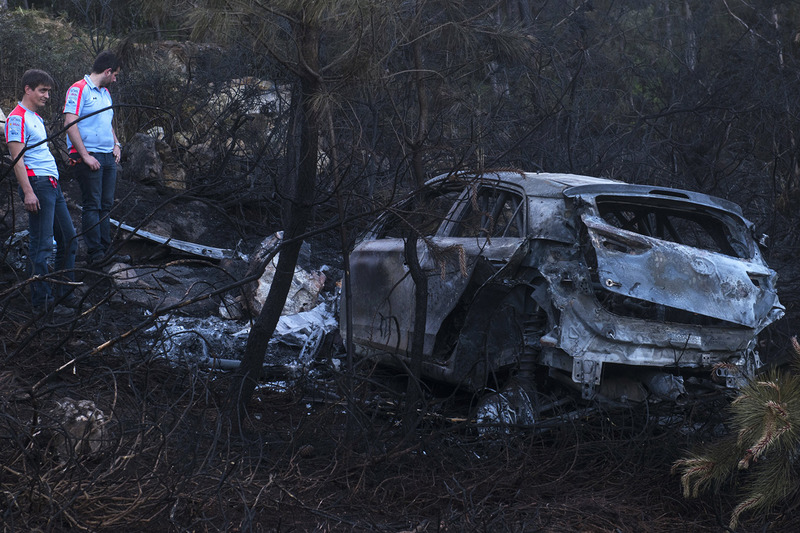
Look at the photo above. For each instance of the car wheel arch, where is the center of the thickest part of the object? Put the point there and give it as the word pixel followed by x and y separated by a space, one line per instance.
pixel 500 331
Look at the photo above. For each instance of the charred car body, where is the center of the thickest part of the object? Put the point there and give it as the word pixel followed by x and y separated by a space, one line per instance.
pixel 621 291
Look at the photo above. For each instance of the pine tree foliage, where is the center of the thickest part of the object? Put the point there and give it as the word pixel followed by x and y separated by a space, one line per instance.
pixel 761 452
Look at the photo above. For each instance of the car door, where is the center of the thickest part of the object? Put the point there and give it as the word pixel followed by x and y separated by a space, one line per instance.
pixel 457 224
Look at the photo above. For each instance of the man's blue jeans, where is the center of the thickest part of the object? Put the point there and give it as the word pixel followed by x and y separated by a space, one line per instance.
pixel 97 189
pixel 52 220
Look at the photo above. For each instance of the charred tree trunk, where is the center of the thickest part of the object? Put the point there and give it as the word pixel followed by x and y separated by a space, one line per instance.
pixel 296 216
pixel 417 143
pixel 413 389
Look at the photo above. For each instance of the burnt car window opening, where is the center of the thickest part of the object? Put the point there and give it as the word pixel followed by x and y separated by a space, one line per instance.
pixel 424 212
pixel 490 212
pixel 676 224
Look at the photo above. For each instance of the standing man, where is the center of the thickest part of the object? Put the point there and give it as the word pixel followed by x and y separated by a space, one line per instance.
pixel 95 151
pixel 37 176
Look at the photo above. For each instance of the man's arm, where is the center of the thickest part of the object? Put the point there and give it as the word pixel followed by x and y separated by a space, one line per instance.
pixel 77 142
pixel 30 199
pixel 117 150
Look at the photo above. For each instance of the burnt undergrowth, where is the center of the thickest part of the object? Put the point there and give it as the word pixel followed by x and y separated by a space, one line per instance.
pixel 162 457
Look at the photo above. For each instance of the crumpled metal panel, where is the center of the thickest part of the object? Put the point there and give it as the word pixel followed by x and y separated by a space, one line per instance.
pixel 547 220
pixel 679 276
pixel 384 291
pixel 383 316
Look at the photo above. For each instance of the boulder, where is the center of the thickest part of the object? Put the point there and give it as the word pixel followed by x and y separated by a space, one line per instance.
pixel 306 284
pixel 303 295
pixel 174 177
pixel 78 427
pixel 143 163
pixel 154 288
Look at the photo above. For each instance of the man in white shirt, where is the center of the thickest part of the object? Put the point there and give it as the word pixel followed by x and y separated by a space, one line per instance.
pixel 37 176
pixel 94 150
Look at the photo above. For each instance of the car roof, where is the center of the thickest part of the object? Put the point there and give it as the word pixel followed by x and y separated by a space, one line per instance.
pixel 557 185
pixel 543 184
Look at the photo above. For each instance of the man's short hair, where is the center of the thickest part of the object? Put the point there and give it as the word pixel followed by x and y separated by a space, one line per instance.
pixel 33 78
pixel 104 61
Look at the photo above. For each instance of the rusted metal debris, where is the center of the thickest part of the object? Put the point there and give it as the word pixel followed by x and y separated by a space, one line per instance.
pixel 623 292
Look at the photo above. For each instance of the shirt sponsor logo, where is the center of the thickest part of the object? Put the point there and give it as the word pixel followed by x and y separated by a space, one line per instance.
pixel 15 129
pixel 72 96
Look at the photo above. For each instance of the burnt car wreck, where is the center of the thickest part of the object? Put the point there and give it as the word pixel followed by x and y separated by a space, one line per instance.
pixel 622 292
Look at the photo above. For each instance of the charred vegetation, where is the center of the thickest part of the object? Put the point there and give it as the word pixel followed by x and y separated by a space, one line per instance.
pixel 215 147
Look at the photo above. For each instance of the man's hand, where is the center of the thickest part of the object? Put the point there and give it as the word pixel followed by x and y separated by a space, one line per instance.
pixel 90 160
pixel 31 202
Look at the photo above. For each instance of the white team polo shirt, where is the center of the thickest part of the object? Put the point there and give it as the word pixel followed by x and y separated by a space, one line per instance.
pixel 83 98
pixel 26 127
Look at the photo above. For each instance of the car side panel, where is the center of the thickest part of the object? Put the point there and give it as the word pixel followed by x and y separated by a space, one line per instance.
pixel 384 291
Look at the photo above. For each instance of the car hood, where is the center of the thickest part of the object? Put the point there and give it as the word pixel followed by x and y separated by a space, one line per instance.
pixel 683 277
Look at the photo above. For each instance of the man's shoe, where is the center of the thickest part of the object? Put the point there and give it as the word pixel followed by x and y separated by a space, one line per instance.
pixel 61 311
pixel 71 300
pixel 115 258
pixel 54 311
pixel 103 261
pixel 94 260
